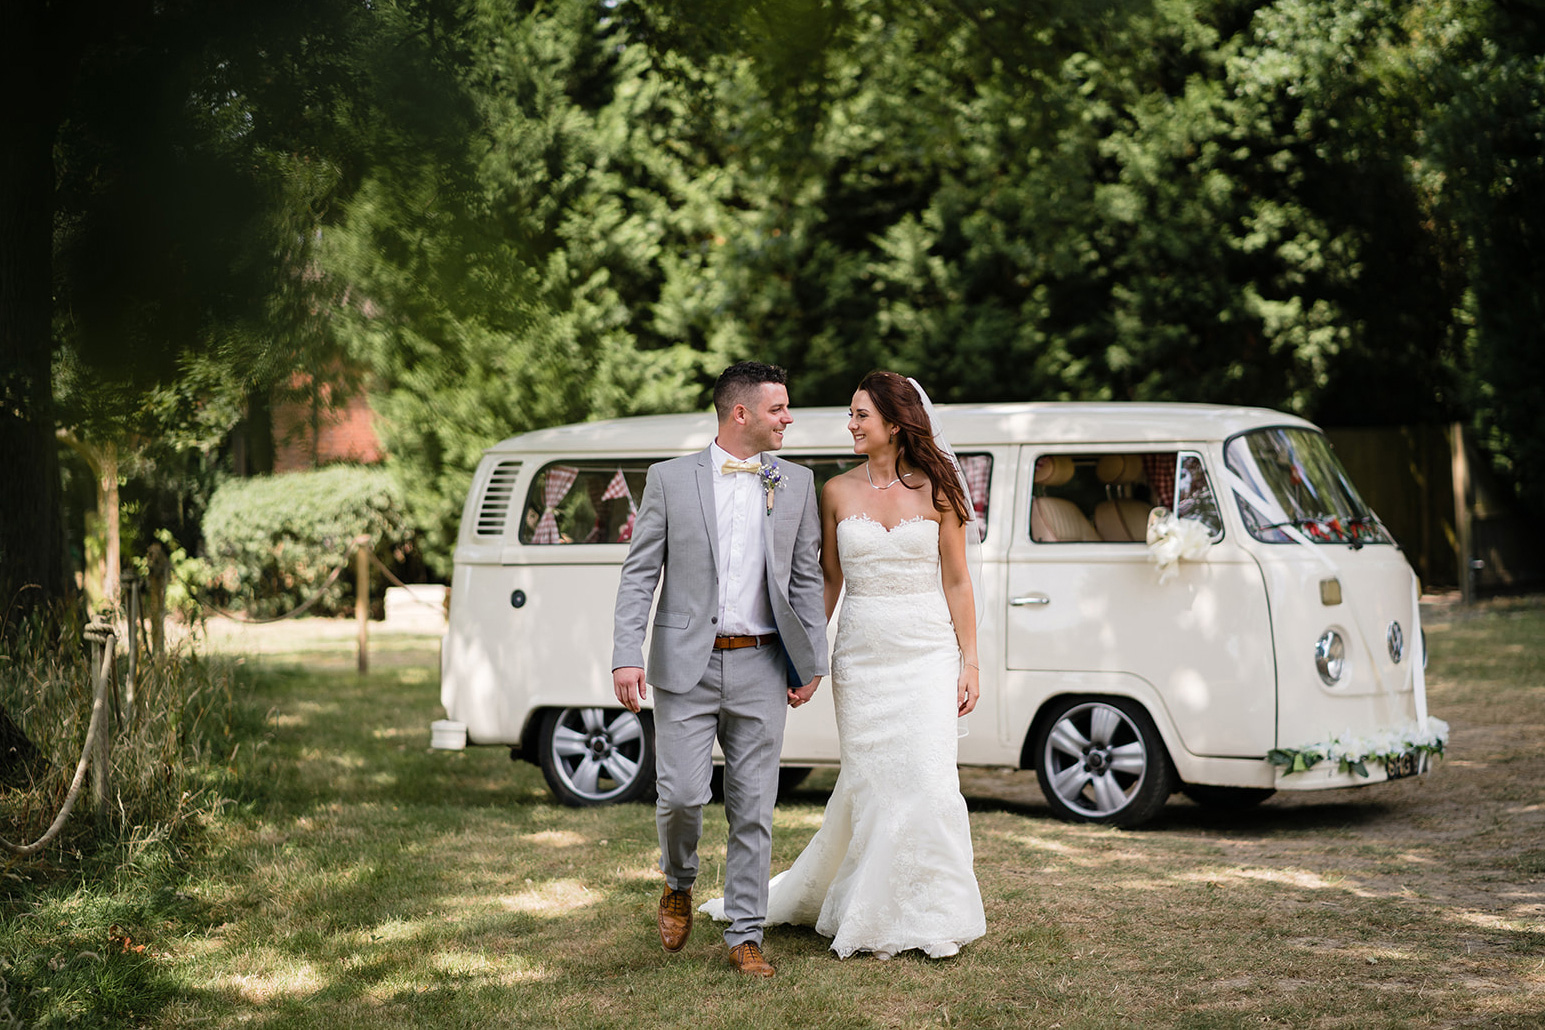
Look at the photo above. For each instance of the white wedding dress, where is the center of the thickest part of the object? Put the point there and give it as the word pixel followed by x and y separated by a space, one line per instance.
pixel 891 867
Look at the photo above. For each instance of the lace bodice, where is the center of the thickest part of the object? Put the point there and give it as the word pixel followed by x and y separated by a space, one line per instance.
pixel 879 562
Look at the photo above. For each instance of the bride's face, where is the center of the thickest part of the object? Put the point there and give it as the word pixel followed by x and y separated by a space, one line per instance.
pixel 871 433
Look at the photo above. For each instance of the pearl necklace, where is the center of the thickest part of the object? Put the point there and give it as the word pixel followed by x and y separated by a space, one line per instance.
pixel 887 486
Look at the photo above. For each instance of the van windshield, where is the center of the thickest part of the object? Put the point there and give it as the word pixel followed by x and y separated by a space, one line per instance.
pixel 1300 479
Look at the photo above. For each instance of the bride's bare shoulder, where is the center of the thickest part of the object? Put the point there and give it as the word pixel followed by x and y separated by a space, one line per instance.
pixel 841 490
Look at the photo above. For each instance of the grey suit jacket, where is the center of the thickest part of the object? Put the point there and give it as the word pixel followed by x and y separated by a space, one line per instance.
pixel 675 545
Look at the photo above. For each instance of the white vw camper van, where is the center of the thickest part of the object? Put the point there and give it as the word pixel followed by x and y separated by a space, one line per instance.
pixel 1178 597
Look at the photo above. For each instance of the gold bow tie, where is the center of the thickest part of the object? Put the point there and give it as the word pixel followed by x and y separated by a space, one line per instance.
pixel 740 466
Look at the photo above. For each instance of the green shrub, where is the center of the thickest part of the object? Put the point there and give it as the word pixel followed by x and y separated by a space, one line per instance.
pixel 271 541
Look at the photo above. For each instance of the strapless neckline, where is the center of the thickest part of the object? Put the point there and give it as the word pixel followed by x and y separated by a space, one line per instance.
pixel 865 518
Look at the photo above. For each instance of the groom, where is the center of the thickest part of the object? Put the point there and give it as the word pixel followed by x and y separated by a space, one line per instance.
pixel 731 538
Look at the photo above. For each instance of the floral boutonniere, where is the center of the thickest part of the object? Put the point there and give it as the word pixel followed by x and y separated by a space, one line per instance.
pixel 772 478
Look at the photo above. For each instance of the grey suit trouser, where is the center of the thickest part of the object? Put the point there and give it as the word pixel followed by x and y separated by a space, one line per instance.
pixel 741 700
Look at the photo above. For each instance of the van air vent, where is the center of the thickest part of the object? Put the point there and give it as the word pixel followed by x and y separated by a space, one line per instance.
pixel 493 508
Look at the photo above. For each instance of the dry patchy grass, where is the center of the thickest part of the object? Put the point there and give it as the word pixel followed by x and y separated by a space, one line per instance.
pixel 369 880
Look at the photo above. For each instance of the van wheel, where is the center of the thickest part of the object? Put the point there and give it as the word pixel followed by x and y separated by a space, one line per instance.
pixel 597 756
pixel 1226 799
pixel 1103 762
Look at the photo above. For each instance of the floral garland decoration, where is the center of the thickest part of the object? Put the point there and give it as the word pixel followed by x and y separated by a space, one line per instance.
pixel 772 479
pixel 1352 753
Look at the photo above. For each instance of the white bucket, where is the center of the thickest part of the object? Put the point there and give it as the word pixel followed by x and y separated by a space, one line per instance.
pixel 448 735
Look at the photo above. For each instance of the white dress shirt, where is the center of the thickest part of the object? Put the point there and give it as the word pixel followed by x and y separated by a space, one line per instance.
pixel 740 508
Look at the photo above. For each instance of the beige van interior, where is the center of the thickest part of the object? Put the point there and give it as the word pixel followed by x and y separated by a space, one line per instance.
pixel 1107 498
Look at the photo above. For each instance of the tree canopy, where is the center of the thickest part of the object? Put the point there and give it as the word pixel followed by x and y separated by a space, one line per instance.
pixel 500 216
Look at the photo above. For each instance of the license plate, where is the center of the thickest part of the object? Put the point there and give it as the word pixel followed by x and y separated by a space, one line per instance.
pixel 1408 764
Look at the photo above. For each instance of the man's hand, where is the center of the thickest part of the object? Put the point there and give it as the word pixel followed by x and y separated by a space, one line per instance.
pixel 803 694
pixel 628 682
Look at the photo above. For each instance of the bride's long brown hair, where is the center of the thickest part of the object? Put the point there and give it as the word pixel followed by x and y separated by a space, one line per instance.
pixel 898 403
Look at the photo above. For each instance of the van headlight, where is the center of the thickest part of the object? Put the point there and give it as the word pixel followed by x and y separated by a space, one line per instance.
pixel 1330 655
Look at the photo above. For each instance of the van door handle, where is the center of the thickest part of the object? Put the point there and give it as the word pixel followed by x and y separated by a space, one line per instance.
pixel 1028 599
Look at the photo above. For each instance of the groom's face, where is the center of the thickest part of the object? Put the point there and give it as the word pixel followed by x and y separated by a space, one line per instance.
pixel 767 416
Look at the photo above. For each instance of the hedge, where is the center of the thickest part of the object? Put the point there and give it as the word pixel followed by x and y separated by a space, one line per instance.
pixel 271 541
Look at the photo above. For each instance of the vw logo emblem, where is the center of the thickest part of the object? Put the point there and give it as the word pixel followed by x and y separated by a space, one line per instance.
pixel 1396 639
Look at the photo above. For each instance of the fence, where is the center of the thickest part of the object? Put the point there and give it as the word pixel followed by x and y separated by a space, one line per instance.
pixel 1433 488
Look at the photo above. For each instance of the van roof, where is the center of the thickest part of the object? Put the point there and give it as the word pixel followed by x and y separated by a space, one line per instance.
pixel 966 425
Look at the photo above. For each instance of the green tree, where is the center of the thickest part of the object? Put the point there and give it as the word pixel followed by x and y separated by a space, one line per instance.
pixel 503 279
pixel 1484 68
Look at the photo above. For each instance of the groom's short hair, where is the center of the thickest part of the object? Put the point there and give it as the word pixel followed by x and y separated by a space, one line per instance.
pixel 738 384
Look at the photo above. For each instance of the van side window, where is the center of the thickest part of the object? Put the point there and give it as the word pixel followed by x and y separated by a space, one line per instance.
pixel 584 502
pixel 1194 498
pixel 1106 498
pixel 595 502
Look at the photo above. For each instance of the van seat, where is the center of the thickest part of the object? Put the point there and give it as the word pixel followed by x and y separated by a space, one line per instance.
pixel 1059 520
pixel 1122 519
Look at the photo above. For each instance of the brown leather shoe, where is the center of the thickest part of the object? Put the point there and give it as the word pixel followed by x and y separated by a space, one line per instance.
pixel 747 958
pixel 675 918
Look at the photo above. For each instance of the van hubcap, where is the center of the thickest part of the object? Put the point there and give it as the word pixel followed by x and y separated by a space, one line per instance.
pixel 1096 759
pixel 597 751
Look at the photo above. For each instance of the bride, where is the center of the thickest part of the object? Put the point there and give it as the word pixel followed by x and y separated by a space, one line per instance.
pixel 890 868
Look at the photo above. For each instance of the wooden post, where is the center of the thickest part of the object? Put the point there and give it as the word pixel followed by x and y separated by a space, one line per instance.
pixel 131 586
pixel 102 761
pixel 1463 544
pixel 160 567
pixel 362 599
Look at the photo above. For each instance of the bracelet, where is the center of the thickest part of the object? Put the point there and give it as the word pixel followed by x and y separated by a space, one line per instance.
pixel 973 665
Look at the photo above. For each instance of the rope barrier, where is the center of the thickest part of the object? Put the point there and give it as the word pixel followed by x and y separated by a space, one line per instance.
pixel 100 633
pixel 411 595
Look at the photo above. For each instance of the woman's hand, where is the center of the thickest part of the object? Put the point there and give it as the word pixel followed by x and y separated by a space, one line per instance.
pixel 968 690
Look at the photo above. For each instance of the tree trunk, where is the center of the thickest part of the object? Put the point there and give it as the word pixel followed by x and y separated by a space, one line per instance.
pixel 103 459
pixel 109 510
pixel 31 534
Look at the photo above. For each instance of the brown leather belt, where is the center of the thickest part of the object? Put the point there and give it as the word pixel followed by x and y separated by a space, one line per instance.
pixel 731 643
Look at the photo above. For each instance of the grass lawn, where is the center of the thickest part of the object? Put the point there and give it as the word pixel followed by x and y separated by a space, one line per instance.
pixel 359 879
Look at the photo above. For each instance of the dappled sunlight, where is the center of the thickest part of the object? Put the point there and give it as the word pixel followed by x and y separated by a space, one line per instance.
pixel 1037 843
pixel 399 886
pixel 1291 877
pixel 648 872
pixel 555 839
pixel 287 980
pixel 343 761
pixel 790 819
pixel 1492 921
pixel 552 899
pixel 506 970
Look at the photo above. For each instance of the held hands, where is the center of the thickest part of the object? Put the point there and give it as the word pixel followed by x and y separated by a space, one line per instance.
pixel 968 690
pixel 804 693
pixel 628 682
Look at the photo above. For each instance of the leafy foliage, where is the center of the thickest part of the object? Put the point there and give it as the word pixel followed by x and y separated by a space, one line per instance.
pixel 503 279
pixel 510 216
pixel 272 541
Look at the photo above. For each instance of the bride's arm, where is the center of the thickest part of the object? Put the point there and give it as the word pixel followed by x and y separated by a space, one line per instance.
pixel 831 568
pixel 956 576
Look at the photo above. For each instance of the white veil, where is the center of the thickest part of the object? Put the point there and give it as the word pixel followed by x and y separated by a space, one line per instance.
pixel 973 528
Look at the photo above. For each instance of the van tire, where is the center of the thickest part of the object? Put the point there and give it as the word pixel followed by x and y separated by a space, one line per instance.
pixel 1226 799
pixel 1101 760
pixel 597 756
